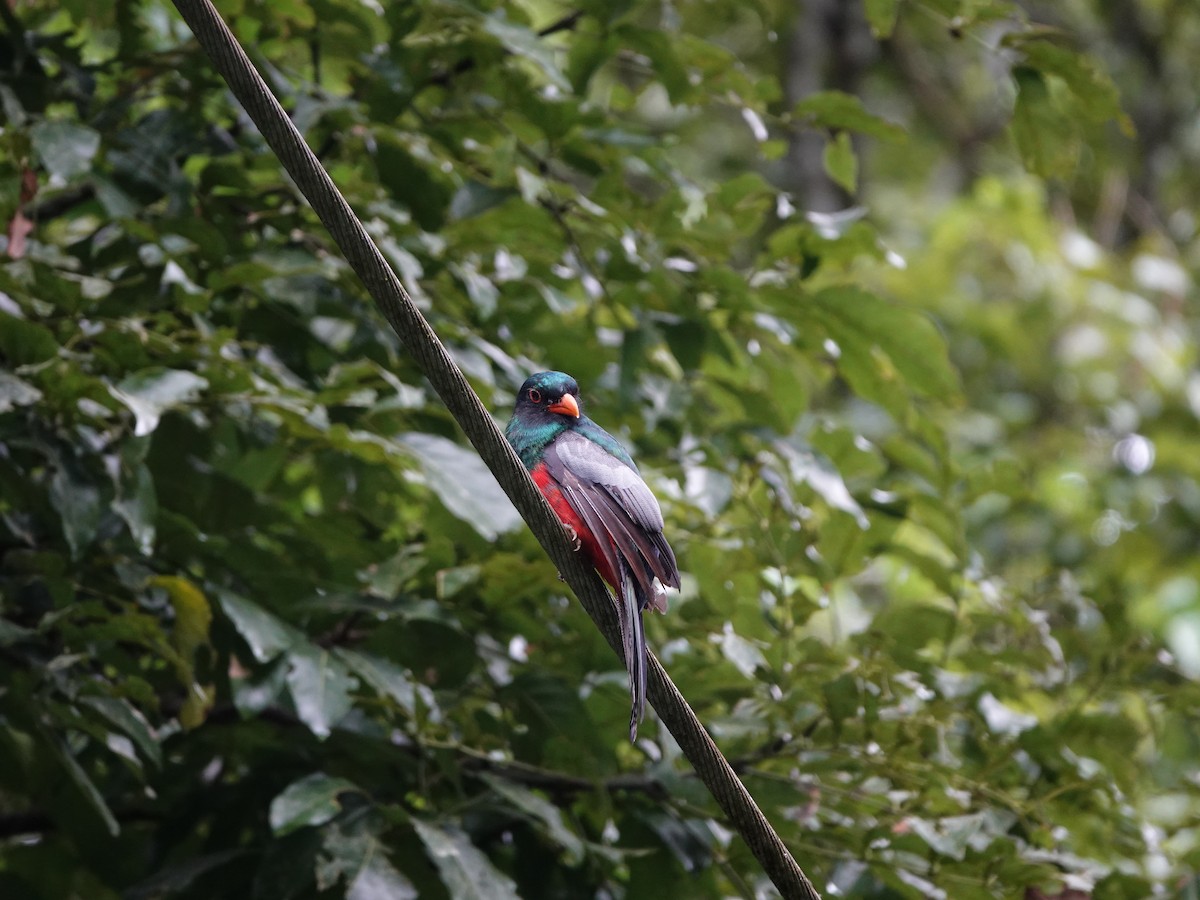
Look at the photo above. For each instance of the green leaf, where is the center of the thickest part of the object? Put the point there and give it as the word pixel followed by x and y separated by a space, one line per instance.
pixel 150 393
pixel 815 470
pixel 475 198
pixel 320 685
pixel 418 186
pixel 1047 140
pixel 526 44
pixel 841 162
pixel 541 811
pixel 663 54
pixel 83 785
pixel 861 323
pixel 77 500
pixel 11 633
pixel 137 503
pixel 66 148
pixel 952 836
pixel 839 111
pixel 1097 98
pixel 25 343
pixel 384 677
pixel 353 853
pixel 313 800
pixel 15 392
pixel 193 618
pixel 466 872
pixel 266 635
pixel 745 655
pixel 132 724
pixel 881 16
pixel 463 483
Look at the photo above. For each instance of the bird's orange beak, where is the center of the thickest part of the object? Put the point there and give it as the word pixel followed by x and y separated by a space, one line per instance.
pixel 567 406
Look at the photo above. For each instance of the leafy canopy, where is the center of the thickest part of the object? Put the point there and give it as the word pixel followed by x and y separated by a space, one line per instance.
pixel 269 630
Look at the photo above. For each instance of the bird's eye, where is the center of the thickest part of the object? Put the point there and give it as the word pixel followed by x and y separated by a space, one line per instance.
pixel 535 396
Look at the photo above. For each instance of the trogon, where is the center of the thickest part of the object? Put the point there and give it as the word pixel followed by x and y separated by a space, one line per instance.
pixel 599 496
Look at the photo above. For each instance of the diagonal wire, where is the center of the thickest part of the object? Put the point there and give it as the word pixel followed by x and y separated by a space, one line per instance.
pixel 422 343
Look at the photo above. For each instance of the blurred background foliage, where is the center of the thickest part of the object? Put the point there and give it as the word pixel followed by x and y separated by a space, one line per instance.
pixel 895 303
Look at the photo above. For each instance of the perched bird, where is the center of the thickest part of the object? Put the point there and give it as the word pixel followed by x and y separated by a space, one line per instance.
pixel 607 510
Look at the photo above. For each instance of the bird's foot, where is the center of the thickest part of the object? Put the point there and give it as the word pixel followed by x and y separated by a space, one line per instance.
pixel 573 536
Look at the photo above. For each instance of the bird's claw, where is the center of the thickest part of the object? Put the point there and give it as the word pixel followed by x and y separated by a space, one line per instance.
pixel 573 535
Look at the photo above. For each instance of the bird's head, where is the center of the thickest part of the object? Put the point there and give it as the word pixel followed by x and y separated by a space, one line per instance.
pixel 549 397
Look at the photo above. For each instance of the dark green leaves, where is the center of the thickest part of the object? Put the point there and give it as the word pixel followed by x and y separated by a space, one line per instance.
pixel 78 501
pixel 268 628
pixel 355 857
pixel 66 148
pixel 313 800
pixel 320 686
pixel 318 681
pixel 465 871
pixel 24 342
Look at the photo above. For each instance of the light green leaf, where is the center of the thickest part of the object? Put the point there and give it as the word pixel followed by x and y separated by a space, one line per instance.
pixel 952 836
pixel 1183 637
pixel 744 654
pixel 152 392
pixel 861 323
pixel 466 872
pixel 463 483
pixel 313 800
pixel 815 470
pixel 839 111
pixel 881 16
pixel 841 162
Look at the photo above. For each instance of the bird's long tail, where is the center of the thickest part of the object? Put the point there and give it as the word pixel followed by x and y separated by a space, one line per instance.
pixel 633 643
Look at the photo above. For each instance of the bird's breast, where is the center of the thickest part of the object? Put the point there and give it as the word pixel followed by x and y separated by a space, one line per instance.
pixel 568 516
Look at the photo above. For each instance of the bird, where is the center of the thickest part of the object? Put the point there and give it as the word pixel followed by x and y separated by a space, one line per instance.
pixel 606 509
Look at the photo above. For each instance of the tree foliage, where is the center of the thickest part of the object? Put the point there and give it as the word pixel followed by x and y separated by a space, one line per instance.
pixel 269 630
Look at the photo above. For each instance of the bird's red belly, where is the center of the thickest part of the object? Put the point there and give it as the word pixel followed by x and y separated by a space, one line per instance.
pixel 567 515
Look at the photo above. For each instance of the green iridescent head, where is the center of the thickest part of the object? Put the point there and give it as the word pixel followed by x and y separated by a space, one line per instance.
pixel 547 405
